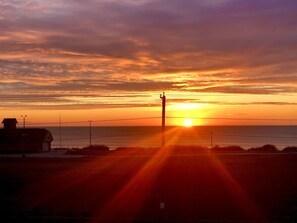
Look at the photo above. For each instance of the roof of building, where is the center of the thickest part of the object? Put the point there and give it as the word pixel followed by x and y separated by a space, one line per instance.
pixel 9 120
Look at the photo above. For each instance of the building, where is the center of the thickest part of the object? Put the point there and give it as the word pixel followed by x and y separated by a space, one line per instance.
pixel 23 140
pixel 9 123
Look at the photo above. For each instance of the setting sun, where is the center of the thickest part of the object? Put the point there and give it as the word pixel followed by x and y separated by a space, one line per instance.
pixel 188 123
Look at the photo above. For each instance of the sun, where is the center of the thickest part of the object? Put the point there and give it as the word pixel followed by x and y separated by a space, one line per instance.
pixel 188 123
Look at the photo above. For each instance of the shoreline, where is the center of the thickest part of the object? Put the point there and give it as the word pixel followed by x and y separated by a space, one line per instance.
pixel 142 151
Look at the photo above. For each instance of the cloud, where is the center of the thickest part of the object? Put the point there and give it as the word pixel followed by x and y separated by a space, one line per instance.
pixel 219 46
pixel 248 89
pixel 277 103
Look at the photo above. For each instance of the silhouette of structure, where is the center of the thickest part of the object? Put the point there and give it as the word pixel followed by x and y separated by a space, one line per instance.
pixel 163 97
pixel 9 123
pixel 24 120
pixel 90 132
pixel 14 140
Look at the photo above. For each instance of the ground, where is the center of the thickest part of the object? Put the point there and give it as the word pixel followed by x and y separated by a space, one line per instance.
pixel 163 187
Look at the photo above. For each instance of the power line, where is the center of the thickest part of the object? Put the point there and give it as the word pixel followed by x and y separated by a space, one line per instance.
pixel 126 119
pixel 239 119
pixel 102 120
pixel 52 123
pixel 169 117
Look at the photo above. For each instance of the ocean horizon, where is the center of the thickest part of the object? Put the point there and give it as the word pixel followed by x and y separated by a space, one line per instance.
pixel 150 136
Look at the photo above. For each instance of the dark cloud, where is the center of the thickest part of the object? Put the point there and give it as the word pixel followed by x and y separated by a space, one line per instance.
pixel 86 86
pixel 73 106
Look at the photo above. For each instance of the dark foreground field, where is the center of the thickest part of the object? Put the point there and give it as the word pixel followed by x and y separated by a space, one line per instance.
pixel 150 188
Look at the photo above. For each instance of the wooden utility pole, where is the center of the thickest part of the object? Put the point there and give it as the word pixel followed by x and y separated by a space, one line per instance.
pixel 60 131
pixel 90 122
pixel 24 120
pixel 163 97
pixel 211 139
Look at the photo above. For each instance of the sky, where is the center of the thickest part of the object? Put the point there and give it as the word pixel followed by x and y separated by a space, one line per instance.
pixel 220 62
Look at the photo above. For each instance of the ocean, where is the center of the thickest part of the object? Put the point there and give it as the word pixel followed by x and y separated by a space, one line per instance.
pixel 150 136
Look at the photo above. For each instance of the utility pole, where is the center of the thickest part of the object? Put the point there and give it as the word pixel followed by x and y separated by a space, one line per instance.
pixel 211 139
pixel 90 124
pixel 163 97
pixel 24 120
pixel 60 131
